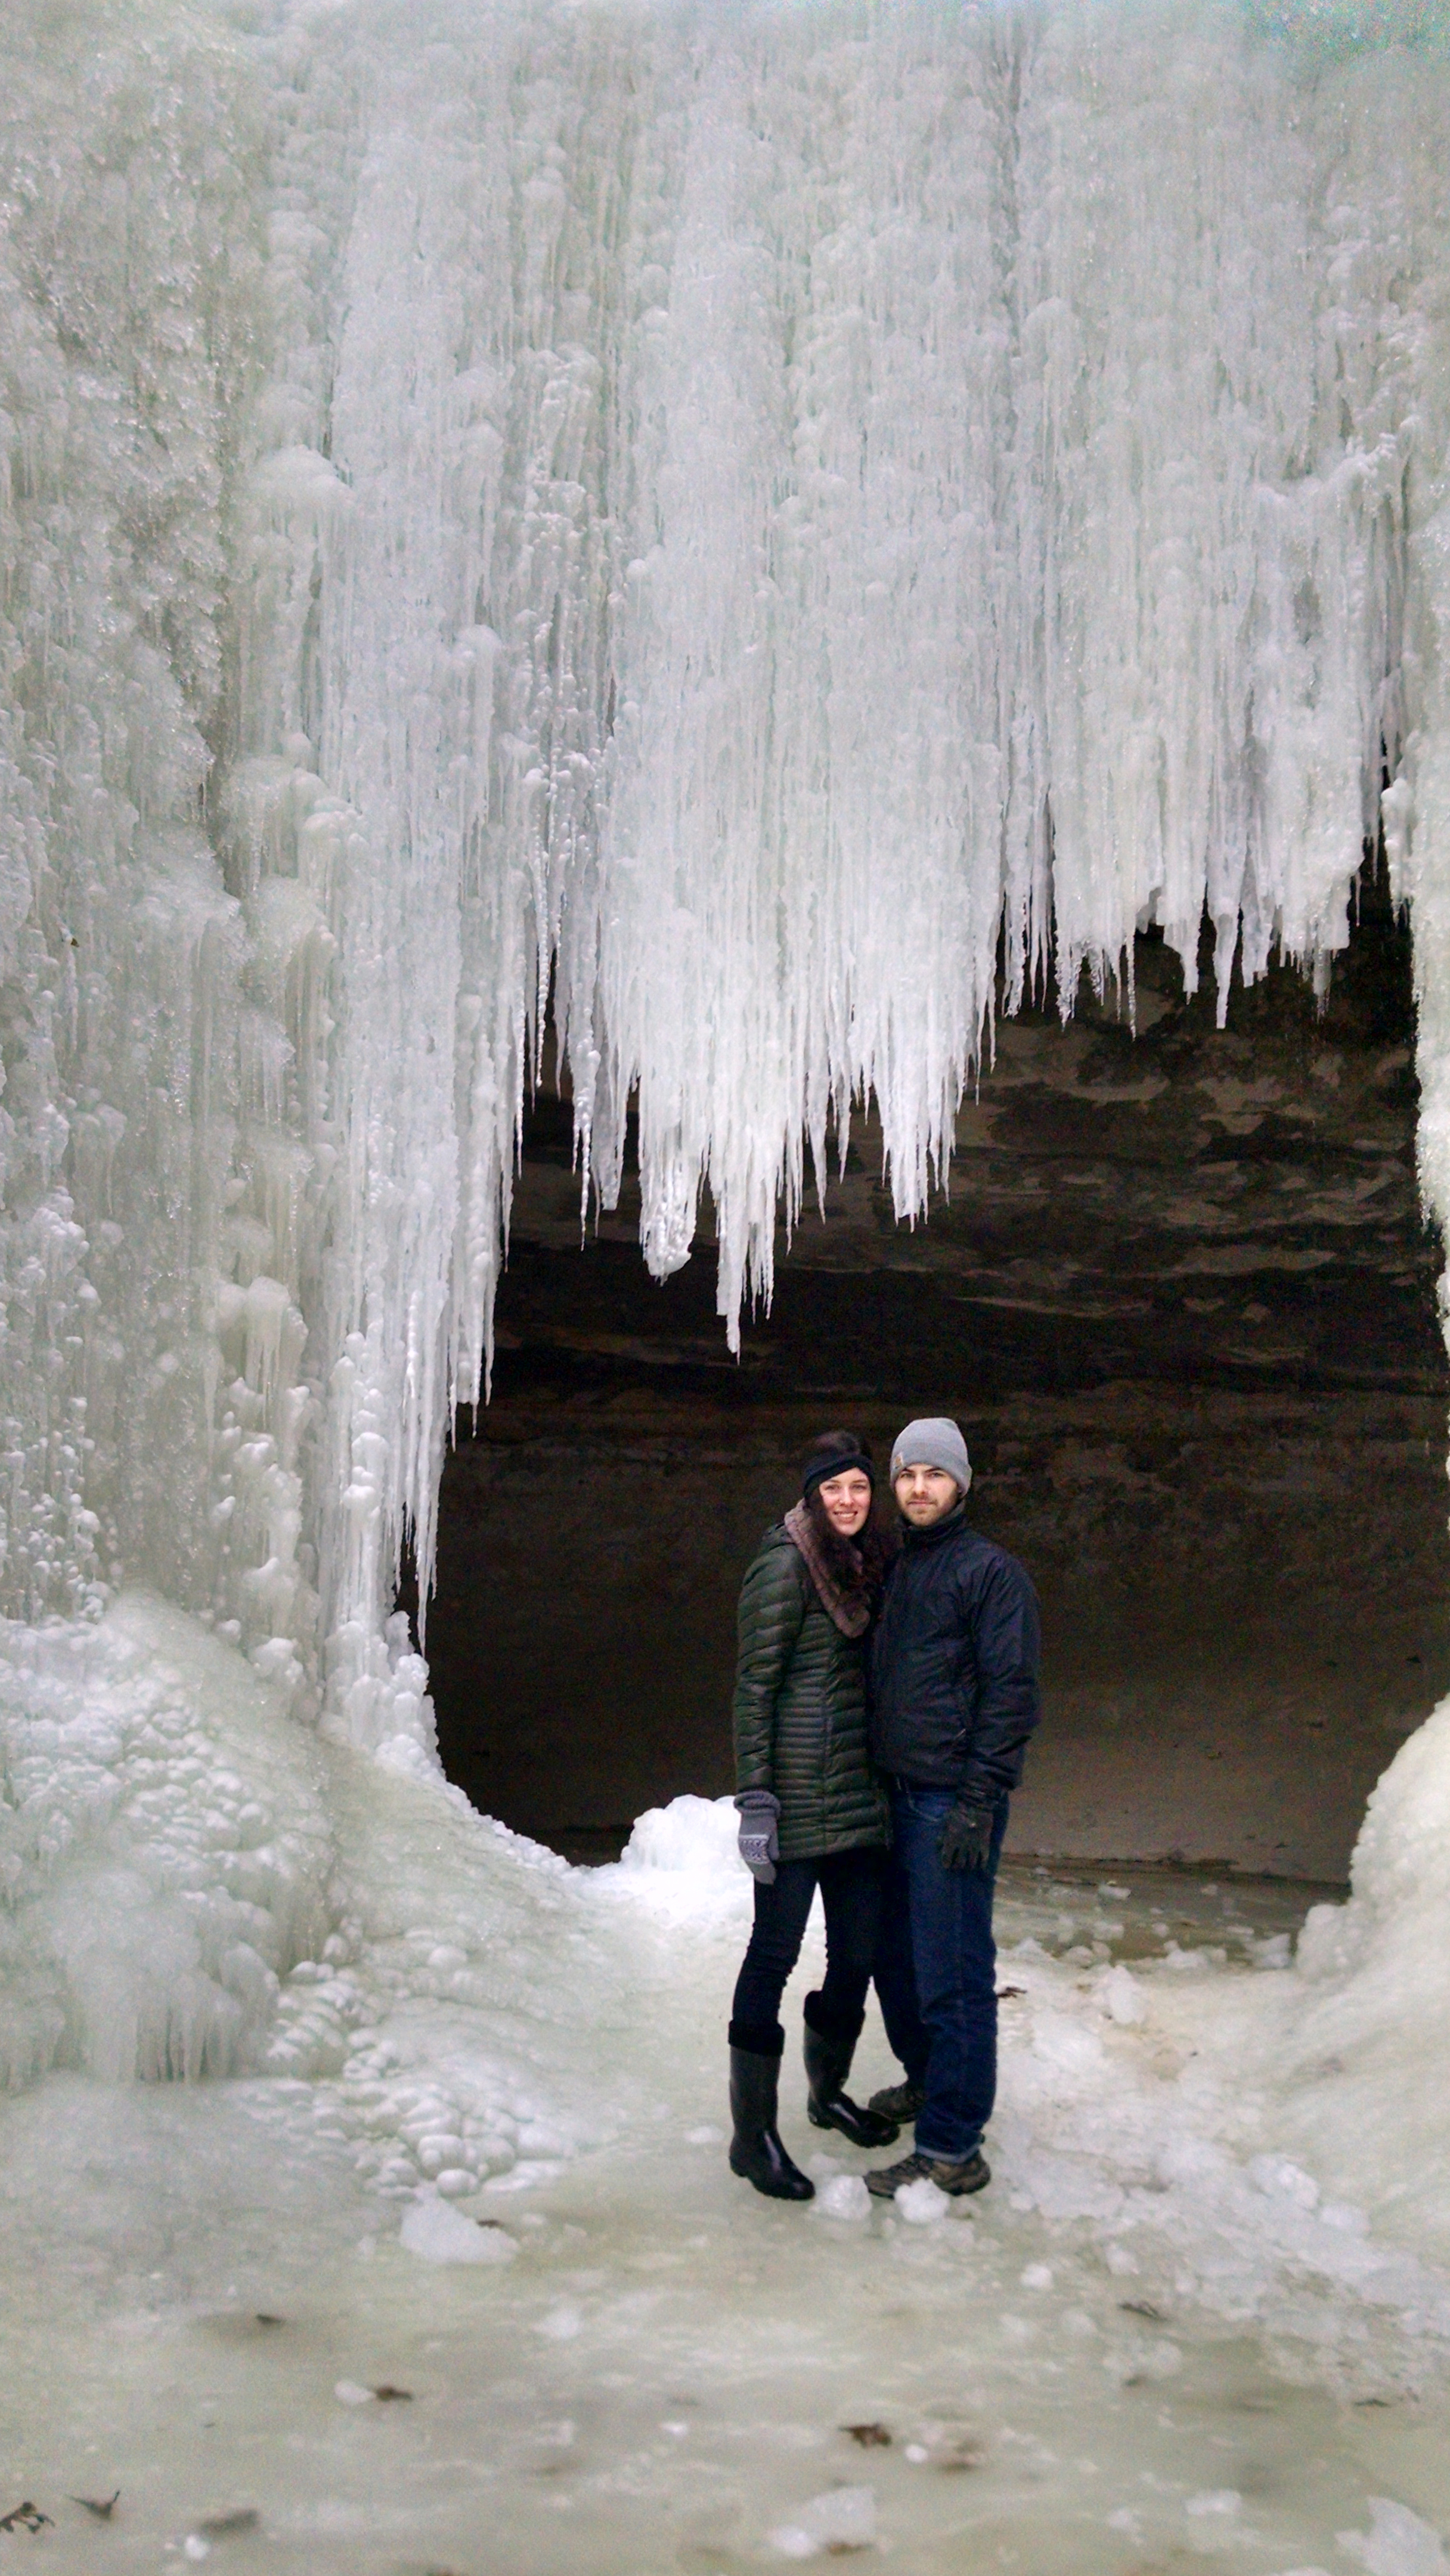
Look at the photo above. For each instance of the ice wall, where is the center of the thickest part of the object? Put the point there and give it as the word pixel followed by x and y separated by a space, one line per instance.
pixel 732 511
pixel 131 245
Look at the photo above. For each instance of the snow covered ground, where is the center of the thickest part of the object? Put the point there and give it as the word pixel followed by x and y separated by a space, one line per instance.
pixel 1166 2331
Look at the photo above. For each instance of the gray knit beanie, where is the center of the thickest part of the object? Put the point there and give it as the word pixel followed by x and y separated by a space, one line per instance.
pixel 934 1442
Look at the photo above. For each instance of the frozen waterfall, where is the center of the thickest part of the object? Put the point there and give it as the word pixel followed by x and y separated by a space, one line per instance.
pixel 748 532
pixel 727 514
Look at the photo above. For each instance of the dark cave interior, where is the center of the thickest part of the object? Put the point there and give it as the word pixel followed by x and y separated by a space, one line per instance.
pixel 1181 1298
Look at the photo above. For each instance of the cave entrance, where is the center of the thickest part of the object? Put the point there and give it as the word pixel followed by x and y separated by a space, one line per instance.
pixel 1183 1302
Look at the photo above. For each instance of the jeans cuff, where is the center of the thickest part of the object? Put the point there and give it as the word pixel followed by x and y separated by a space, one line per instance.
pixel 947 2155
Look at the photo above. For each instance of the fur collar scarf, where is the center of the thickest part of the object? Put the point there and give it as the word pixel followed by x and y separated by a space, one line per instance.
pixel 850 1611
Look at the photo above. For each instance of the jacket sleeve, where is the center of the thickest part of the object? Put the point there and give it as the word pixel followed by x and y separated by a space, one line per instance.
pixel 772 1614
pixel 1007 1638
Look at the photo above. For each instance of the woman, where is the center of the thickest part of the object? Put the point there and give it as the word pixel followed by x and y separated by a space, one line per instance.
pixel 811 1811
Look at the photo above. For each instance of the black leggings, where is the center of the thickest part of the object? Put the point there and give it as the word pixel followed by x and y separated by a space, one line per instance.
pixel 850 1885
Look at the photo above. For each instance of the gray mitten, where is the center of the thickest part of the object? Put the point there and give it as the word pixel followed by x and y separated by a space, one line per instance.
pixel 759 1841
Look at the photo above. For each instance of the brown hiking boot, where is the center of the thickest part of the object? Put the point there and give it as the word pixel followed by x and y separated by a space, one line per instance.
pixel 898 2102
pixel 972 2174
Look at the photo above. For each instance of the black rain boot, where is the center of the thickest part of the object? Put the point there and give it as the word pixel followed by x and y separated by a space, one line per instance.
pixel 828 2063
pixel 756 2153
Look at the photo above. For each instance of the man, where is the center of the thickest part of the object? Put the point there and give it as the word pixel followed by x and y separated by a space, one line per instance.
pixel 954 1688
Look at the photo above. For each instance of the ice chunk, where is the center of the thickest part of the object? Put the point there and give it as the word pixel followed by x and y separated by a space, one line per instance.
pixel 1066 2044
pixel 438 2233
pixel 1122 1997
pixel 562 2323
pixel 922 2202
pixel 841 2520
pixel 1279 2176
pixel 844 2196
pixel 1397 2543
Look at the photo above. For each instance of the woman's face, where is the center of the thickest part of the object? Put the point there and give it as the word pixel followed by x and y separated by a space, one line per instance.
pixel 847 1500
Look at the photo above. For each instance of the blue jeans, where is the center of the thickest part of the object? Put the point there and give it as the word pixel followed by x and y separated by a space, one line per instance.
pixel 936 1973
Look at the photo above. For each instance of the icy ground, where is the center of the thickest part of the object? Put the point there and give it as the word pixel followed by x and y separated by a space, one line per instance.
pixel 1161 2335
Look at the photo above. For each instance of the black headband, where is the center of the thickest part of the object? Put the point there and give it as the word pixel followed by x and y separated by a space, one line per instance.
pixel 821 1470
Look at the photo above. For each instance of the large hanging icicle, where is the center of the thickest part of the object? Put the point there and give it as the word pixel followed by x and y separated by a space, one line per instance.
pixel 737 510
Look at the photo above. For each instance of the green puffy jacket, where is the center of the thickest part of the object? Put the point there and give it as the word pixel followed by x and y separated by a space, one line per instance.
pixel 800 1710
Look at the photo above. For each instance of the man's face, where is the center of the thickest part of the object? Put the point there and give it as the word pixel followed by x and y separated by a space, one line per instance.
pixel 924 1494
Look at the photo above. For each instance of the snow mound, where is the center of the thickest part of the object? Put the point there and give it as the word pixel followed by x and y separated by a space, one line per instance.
pixel 197 1885
pixel 164 1848
pixel 1353 2043
pixel 683 1861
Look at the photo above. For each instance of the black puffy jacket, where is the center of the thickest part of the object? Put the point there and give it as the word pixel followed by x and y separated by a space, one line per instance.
pixel 800 1710
pixel 954 1693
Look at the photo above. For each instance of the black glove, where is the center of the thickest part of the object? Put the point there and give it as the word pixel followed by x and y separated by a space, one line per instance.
pixel 966 1836
pixel 759 1842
